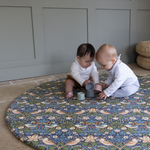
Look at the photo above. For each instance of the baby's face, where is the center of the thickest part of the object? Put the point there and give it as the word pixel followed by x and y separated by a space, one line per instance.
pixel 105 64
pixel 85 61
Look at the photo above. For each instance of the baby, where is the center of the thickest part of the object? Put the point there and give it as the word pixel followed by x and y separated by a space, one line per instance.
pixel 121 81
pixel 83 70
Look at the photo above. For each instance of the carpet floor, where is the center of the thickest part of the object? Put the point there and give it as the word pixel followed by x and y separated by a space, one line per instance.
pixel 42 118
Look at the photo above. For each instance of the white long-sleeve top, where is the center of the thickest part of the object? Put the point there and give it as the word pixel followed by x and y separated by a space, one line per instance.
pixel 81 74
pixel 119 76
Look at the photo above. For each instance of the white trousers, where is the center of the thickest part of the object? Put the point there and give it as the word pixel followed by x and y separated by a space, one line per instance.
pixel 127 90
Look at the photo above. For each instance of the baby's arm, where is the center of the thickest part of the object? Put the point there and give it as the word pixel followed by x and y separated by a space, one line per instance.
pixel 74 72
pixel 94 73
pixel 118 81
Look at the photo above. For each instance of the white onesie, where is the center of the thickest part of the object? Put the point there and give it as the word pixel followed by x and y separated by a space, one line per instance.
pixel 121 81
pixel 81 74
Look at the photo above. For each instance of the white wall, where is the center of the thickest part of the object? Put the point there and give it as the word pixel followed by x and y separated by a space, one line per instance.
pixel 40 37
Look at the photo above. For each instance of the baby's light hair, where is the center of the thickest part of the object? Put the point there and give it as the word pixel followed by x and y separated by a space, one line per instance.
pixel 108 50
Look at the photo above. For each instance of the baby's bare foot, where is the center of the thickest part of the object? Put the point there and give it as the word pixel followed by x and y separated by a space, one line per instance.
pixel 69 95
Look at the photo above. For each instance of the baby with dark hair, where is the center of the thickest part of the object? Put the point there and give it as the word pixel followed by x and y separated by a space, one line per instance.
pixel 83 69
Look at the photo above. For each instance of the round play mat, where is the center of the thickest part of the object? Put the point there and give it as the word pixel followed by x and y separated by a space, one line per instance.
pixel 42 118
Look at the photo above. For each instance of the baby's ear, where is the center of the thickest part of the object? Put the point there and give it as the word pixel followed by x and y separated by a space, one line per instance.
pixel 78 58
pixel 114 60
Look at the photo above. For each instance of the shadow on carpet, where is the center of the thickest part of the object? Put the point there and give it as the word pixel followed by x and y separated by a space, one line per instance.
pixel 45 120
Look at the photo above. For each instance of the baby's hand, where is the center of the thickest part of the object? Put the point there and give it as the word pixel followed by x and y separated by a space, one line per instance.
pixel 104 85
pixel 102 95
pixel 86 82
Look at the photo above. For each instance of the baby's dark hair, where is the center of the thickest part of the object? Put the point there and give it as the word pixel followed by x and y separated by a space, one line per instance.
pixel 86 48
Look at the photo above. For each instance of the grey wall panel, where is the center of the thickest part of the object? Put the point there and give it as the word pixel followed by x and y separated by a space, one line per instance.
pixel 41 37
pixel 113 27
pixel 16 34
pixel 64 30
pixel 143 25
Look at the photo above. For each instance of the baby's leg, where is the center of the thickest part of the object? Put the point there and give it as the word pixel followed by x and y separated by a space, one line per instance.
pixel 126 91
pixel 69 84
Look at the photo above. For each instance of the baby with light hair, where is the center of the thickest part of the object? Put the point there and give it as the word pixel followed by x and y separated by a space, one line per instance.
pixel 121 81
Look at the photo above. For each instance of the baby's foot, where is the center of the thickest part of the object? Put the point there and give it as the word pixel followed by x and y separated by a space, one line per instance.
pixel 69 95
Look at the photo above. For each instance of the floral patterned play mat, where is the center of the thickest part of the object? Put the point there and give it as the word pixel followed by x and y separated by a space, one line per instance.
pixel 45 120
